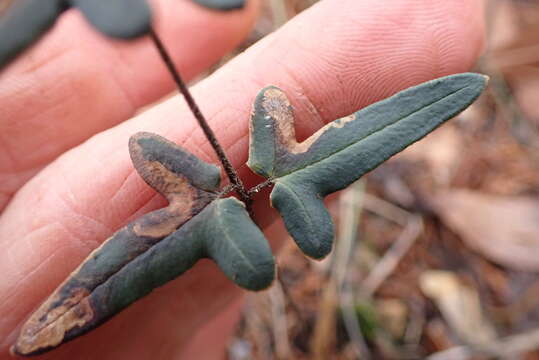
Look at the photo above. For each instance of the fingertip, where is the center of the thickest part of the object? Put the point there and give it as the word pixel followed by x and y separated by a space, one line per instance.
pixel 458 35
pixel 365 51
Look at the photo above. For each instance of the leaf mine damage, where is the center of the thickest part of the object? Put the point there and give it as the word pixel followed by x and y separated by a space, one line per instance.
pixel 144 255
pixel 344 150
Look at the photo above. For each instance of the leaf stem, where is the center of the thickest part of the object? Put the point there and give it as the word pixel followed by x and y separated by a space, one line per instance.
pixel 257 188
pixel 226 190
pixel 210 135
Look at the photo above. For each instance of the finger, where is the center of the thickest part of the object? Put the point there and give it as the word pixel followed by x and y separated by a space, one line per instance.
pixel 218 333
pixel 75 82
pixel 363 52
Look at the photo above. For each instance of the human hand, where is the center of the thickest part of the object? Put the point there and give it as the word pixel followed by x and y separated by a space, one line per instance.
pixel 331 60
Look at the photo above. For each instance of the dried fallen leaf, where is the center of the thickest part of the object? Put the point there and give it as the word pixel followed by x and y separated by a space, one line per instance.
pixel 393 315
pixel 504 229
pixel 459 305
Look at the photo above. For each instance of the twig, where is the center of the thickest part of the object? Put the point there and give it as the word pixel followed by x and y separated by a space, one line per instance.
pixel 256 319
pixel 323 337
pixel 509 347
pixel 280 327
pixel 210 135
pixel 279 13
pixel 524 131
pixel 351 204
pixel 393 256
pixel 260 186
pixel 352 326
pixel 224 191
pixel 386 209
pixel 516 57
pixel 414 330
pixel 289 299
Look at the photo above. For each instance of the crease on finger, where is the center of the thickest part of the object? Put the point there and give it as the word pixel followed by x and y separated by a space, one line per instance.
pixel 20 282
pixel 69 207
pixel 15 317
pixel 130 100
pixel 125 180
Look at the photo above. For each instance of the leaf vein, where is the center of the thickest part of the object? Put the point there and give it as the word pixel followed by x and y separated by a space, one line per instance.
pixel 373 133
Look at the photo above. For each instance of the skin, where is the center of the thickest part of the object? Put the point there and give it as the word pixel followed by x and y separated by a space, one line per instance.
pixel 68 105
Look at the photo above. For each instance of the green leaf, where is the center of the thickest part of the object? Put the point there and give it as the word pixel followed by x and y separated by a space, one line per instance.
pixel 343 150
pixel 155 248
pixel 23 23
pixel 222 5
pixel 125 19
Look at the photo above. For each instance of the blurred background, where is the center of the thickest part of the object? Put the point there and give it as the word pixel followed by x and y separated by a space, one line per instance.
pixel 437 251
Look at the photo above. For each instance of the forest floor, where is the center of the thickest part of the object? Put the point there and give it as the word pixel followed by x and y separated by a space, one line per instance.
pixel 437 251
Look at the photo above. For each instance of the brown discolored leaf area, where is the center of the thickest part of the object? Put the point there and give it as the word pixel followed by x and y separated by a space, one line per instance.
pixel 188 184
pixel 459 305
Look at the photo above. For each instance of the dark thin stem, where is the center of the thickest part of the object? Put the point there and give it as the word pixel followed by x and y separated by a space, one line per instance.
pixel 226 190
pixel 210 135
pixel 260 186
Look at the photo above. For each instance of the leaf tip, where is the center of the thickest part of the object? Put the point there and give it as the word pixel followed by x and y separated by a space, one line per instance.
pixel 148 150
pixel 478 81
pixel 474 86
pixel 262 282
pixel 222 5
pixel 238 246
pixel 270 128
pixel 54 323
pixel 305 217
pixel 480 77
pixel 112 19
